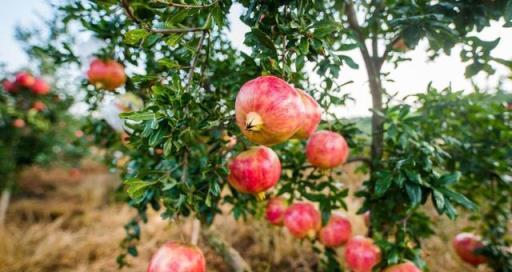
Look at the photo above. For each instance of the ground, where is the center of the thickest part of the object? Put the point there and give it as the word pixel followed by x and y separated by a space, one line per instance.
pixel 63 222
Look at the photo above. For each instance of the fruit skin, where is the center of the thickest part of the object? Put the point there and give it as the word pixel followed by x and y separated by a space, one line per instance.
pixel 337 231
pixel 268 110
pixel 361 254
pixel 327 149
pixel 255 170
pixel 312 116
pixel 465 245
pixel 19 123
pixel 177 257
pixel 9 86
pixel 25 80
pixel 39 106
pixel 40 87
pixel 274 212
pixel 403 267
pixel 107 74
pixel 302 219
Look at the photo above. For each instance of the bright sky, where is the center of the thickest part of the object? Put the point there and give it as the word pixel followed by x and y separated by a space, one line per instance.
pixel 409 78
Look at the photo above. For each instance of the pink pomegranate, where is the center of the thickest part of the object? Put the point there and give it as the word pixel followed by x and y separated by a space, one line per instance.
pixel 465 245
pixel 302 219
pixel 274 213
pixel 361 254
pixel 9 86
pixel 40 87
pixel 108 74
pixel 326 149
pixel 254 171
pixel 25 79
pixel 19 123
pixel 337 231
pixel 268 110
pixel 312 116
pixel 403 267
pixel 79 134
pixel 39 106
pixel 177 257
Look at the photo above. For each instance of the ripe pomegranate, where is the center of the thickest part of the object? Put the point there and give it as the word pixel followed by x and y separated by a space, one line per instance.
pixel 159 151
pixel 39 106
pixel 19 123
pixel 326 149
pixel 361 254
pixel 108 74
pixel 274 213
pixel 40 87
pixel 9 86
pixel 312 116
pixel 79 134
pixel 177 257
pixel 403 267
pixel 25 79
pixel 302 219
pixel 337 231
pixel 465 245
pixel 268 110
pixel 254 171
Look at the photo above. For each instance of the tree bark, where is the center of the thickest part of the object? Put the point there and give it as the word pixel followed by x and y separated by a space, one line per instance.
pixel 230 255
pixel 4 204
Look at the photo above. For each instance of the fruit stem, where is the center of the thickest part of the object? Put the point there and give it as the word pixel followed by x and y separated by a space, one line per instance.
pixel 260 196
pixel 311 234
pixel 253 122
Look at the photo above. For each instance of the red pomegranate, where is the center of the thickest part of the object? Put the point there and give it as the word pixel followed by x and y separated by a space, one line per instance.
pixel 302 219
pixel 40 87
pixel 274 213
pixel 337 231
pixel 19 123
pixel 403 267
pixel 25 79
pixel 268 110
pixel 9 86
pixel 465 245
pixel 177 257
pixel 39 106
pixel 108 74
pixel 312 116
pixel 326 149
pixel 254 171
pixel 79 134
pixel 361 254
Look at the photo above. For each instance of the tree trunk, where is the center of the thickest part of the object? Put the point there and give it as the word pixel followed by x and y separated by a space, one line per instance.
pixel 4 204
pixel 196 229
pixel 230 255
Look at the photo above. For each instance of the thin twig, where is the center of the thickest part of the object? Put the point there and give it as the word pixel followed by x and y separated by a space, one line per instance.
pixel 388 49
pixel 194 59
pixel 365 160
pixel 178 5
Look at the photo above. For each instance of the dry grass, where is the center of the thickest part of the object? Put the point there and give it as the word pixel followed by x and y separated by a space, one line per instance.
pixel 62 223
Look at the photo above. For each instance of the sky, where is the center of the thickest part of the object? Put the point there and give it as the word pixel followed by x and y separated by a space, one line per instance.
pixel 409 78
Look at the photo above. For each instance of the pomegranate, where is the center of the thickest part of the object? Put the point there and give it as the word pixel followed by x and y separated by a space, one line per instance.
pixel 302 219
pixel 326 149
pixel 465 245
pixel 39 106
pixel 40 87
pixel 159 151
pixel 19 123
pixel 108 74
pixel 403 267
pixel 79 134
pixel 268 110
pixel 25 80
pixel 312 116
pixel 274 213
pixel 177 257
pixel 254 171
pixel 337 231
pixel 9 86
pixel 361 254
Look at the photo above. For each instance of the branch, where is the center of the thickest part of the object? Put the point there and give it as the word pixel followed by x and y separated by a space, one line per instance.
pixel 172 4
pixel 230 255
pixel 365 160
pixel 354 25
pixel 388 49
pixel 194 59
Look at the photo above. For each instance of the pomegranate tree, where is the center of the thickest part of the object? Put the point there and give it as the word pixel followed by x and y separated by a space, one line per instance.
pixel 327 149
pixel 254 171
pixel 268 110
pixel 403 267
pixel 465 245
pixel 274 212
pixel 361 254
pixel 312 116
pixel 107 74
pixel 177 257
pixel 302 220
pixel 337 231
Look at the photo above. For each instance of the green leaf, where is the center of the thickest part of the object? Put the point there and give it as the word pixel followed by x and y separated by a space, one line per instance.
pixel 264 39
pixel 138 116
pixel 414 193
pixel 449 179
pixel 508 12
pixel 438 200
pixel 382 185
pixel 135 36
pixel 460 199
pixel 136 187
